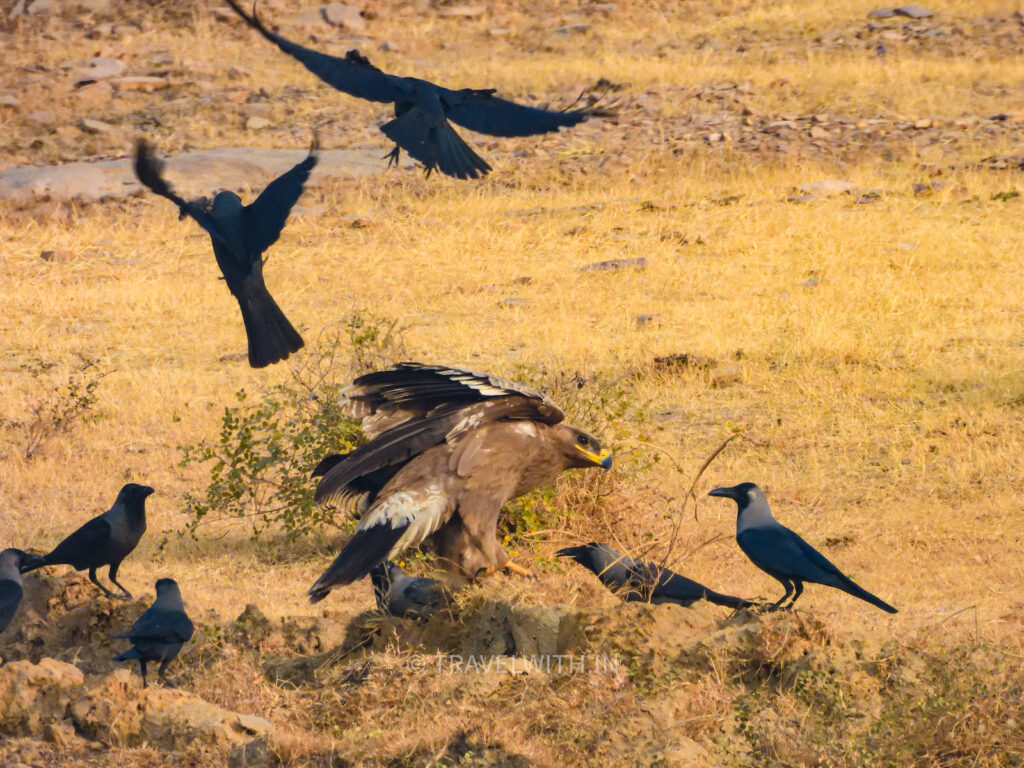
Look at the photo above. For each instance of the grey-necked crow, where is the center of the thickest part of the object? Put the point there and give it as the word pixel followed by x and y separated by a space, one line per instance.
pixel 10 584
pixel 104 540
pixel 782 554
pixel 240 234
pixel 412 597
pixel 423 110
pixel 159 633
pixel 642 581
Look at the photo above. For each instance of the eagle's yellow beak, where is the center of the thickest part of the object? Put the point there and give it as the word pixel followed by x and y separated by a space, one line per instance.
pixel 605 461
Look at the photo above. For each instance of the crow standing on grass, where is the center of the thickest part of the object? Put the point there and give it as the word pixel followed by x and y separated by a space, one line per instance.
pixel 10 584
pixel 240 234
pixel 642 581
pixel 782 554
pixel 159 633
pixel 423 110
pixel 105 540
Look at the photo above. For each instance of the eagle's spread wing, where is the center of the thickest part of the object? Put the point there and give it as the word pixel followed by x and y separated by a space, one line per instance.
pixel 353 74
pixel 413 407
pixel 266 216
pixel 385 399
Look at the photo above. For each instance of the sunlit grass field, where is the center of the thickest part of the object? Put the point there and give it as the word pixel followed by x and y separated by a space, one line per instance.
pixel 872 349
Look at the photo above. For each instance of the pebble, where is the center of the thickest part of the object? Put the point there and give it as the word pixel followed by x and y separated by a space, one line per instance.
pixel 882 13
pixel 257 123
pixel 615 264
pixel 463 11
pixel 95 94
pixel 347 16
pixel 913 11
pixel 94 126
pixel 141 83
pixel 42 116
pixel 512 301
pixel 828 187
pixel 6 100
pixel 99 68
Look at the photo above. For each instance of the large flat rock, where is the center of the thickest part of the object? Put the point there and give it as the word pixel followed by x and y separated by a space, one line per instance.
pixel 191 173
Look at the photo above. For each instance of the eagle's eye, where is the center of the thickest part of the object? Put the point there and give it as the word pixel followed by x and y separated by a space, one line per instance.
pixel 582 440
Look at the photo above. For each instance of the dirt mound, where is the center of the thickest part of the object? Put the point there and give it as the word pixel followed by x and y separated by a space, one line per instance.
pixel 55 701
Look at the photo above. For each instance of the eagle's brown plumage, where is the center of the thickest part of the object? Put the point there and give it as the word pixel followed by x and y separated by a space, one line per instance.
pixel 447 448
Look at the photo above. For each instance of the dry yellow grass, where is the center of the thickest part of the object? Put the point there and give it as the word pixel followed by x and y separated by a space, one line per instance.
pixel 886 395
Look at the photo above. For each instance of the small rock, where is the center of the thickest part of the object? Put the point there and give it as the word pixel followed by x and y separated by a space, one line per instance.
pixel 40 6
pixel 615 264
pixel 94 126
pixel 163 60
pixel 716 137
pixel 43 117
pixel 463 11
pixel 725 374
pixel 817 132
pixel 512 301
pixel 58 255
pixel 913 11
pixel 309 17
pixel 6 100
pixel 805 198
pixel 256 109
pixel 812 282
pixel 95 94
pixel 683 360
pixel 98 68
pixel 923 123
pixel 237 73
pixel 881 13
pixel 257 123
pixel 347 16
pixel 255 754
pixel 828 187
pixel 654 319
pixel 570 29
pixel 140 83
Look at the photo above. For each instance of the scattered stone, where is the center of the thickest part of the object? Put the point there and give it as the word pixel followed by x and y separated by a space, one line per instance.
pixel 882 13
pixel 257 123
pixel 308 17
pixel 34 695
pixel 237 73
pixel 570 29
pixel 913 11
pixel 923 123
pixel 43 117
pixel 682 360
pixel 58 255
pixel 828 187
pixel 812 282
pixel 94 126
pixel 6 100
pixel 817 132
pixel 347 16
pixel 463 11
pixel 94 94
pixel 615 264
pixel 140 83
pixel 255 754
pixel 98 68
pixel 726 374
pixel 805 198
pixel 40 6
pixel 163 60
pixel 512 301
pixel 654 319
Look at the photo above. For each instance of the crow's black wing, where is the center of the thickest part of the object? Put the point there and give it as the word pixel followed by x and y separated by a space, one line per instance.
pixel 484 112
pixel 353 74
pixel 149 169
pixel 83 547
pixel 265 217
pixel 161 627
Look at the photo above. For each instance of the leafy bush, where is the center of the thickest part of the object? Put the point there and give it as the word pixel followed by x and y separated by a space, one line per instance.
pixel 58 410
pixel 268 445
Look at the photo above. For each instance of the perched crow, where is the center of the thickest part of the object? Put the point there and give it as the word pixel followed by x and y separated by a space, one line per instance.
pixel 448 447
pixel 782 554
pixel 642 581
pixel 10 584
pixel 104 540
pixel 240 234
pixel 422 109
pixel 159 633
pixel 406 596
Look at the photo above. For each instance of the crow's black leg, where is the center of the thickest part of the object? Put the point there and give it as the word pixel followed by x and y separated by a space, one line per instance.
pixel 142 667
pixel 788 586
pixel 393 156
pixel 94 580
pixel 112 575
pixel 799 591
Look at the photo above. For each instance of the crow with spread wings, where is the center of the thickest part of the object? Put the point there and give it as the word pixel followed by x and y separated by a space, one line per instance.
pixel 423 110
pixel 240 234
pixel 448 447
